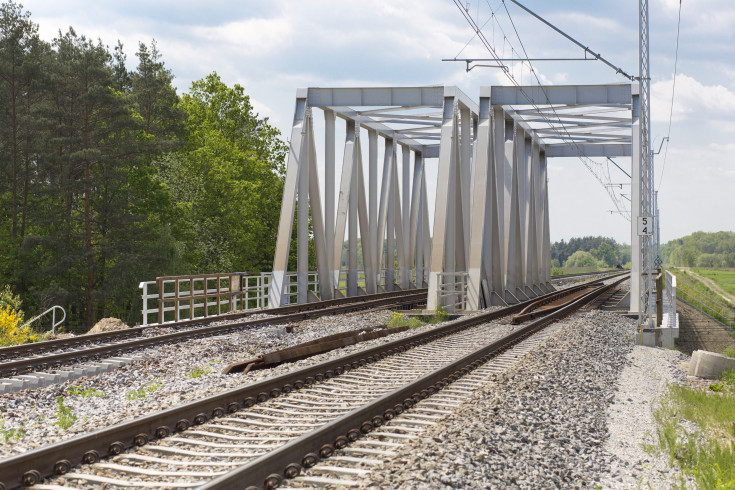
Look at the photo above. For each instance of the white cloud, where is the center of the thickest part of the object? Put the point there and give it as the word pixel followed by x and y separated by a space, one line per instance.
pixel 692 100
pixel 251 37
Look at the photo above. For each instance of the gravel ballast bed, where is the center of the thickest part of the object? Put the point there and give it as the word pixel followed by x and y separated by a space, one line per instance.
pixel 163 370
pixel 546 422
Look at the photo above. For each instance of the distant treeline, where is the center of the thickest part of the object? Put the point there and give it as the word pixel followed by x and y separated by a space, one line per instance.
pixel 109 177
pixel 589 251
pixel 700 249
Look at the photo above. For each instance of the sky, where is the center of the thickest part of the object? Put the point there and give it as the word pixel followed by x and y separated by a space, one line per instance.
pixel 273 48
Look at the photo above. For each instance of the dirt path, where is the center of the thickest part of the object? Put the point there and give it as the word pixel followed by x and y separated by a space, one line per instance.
pixel 714 287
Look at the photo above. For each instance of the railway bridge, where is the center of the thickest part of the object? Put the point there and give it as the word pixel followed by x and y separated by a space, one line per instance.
pixel 489 243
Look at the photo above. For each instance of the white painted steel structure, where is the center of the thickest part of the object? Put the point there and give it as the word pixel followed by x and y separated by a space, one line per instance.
pixel 490 240
pixel 395 226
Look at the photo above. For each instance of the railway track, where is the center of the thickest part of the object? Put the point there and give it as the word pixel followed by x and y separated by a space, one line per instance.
pixel 42 356
pixel 278 426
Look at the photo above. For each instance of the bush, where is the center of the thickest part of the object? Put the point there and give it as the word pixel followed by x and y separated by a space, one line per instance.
pixel 11 332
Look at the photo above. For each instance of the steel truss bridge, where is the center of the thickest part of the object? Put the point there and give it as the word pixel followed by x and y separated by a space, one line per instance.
pixel 490 241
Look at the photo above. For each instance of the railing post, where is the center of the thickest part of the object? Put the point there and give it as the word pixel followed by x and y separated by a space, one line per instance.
pixel 659 299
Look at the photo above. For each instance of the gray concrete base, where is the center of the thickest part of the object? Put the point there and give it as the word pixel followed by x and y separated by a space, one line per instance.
pixel 32 381
pixel 659 337
pixel 709 365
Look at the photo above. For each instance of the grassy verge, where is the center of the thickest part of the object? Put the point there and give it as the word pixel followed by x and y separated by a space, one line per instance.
pixel 691 289
pixel 723 278
pixel 706 451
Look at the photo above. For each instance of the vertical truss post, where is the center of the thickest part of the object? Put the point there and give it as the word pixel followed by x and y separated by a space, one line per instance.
pixel 352 230
pixel 483 197
pixel 296 156
pixel 320 241
pixel 329 167
pixel 383 212
pixel 532 248
pixel 373 205
pixel 443 240
pixel 406 272
pixel 390 248
pixel 343 201
pixel 365 239
pixel 302 225
pixel 545 236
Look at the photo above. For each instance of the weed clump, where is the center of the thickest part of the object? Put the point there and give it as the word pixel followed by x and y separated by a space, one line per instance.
pixel 707 452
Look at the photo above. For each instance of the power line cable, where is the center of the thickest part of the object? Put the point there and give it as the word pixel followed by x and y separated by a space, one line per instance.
pixel 604 172
pixel 673 91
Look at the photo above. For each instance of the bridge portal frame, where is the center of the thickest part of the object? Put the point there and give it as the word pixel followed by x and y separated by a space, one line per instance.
pixel 491 220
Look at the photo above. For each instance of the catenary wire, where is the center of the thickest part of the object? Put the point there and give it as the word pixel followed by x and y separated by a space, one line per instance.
pixel 673 91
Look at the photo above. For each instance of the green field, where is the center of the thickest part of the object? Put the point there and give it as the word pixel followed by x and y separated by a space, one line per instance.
pixel 725 278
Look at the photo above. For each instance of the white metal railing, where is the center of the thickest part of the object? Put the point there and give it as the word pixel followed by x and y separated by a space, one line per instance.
pixel 54 323
pixel 171 299
pixel 290 289
pixel 452 291
pixel 669 317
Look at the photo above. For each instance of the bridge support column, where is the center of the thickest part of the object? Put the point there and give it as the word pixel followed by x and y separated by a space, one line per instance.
pixel 485 285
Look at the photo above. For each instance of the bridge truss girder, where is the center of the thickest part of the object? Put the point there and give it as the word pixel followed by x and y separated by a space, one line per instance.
pixel 491 219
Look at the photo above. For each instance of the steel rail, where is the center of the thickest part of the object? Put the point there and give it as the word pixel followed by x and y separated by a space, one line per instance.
pixel 20 366
pixel 57 459
pixel 269 470
pixel 51 345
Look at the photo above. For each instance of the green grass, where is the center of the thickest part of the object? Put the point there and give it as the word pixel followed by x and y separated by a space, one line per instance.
pixel 84 392
pixel 689 286
pixel 143 391
pixel 198 372
pixel 708 453
pixel 723 278
pixel 10 434
pixel 64 416
pixel 398 319
pixel 729 351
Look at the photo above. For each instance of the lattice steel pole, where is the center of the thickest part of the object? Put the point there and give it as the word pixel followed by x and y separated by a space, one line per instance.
pixel 646 174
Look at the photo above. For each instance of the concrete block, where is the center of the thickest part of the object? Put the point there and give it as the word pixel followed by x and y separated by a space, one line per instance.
pixel 47 378
pixel 6 387
pixel 709 365
pixel 30 381
pixel 113 363
pixel 659 337
pixel 65 376
pixel 92 369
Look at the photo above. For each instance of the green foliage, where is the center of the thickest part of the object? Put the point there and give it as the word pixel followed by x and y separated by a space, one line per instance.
pixel 708 454
pixel 691 289
pixel 64 416
pixel 143 391
pixel 198 372
pixel 557 271
pixel 729 351
pixel 579 260
pixel 724 278
pixel 441 315
pixel 110 178
pixel 701 249
pixel 12 433
pixel 607 253
pixel 84 392
pixel 226 179
pixel 11 330
pixel 398 319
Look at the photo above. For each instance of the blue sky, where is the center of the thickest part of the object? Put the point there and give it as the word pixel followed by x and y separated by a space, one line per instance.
pixel 272 48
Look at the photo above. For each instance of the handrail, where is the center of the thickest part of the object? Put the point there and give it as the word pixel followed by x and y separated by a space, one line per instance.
pixel 54 323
